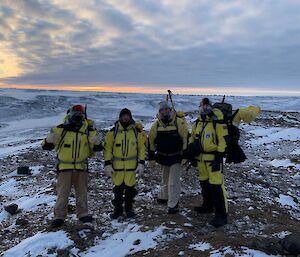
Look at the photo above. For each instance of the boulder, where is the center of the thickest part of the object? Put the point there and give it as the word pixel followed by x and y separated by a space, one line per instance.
pixel 12 208
pixel 22 222
pixel 23 170
pixel 291 244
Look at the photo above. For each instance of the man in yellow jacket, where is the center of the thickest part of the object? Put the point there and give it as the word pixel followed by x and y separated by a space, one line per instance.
pixel 207 144
pixel 124 155
pixel 168 140
pixel 74 141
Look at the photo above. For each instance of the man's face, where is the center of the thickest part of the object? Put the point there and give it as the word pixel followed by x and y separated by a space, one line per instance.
pixel 125 118
pixel 205 108
pixel 165 111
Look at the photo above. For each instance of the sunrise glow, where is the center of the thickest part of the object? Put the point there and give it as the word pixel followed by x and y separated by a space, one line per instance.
pixel 160 90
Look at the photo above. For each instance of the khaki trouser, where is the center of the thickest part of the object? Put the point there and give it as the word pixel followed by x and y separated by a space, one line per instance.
pixel 65 180
pixel 170 187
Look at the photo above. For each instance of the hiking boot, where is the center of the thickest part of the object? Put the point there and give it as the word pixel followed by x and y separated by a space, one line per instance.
pixel 130 214
pixel 219 221
pixel 162 201
pixel 86 219
pixel 173 210
pixel 203 209
pixel 116 214
pixel 57 223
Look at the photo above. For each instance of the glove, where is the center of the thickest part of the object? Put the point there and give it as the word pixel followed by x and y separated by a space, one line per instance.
pixel 216 163
pixel 185 155
pixel 140 170
pixel 194 149
pixel 95 140
pixel 51 138
pixel 151 155
pixel 108 170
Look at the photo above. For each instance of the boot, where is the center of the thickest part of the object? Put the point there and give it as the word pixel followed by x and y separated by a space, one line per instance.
pixel 207 205
pixel 130 193
pixel 86 219
pixel 162 201
pixel 219 221
pixel 117 202
pixel 116 214
pixel 118 209
pixel 220 206
pixel 57 223
pixel 173 210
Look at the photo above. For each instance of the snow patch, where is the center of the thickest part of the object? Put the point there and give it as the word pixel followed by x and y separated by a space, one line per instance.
pixel 287 200
pixel 16 149
pixel 244 252
pixel 202 246
pixel 127 242
pixel 270 135
pixel 282 234
pixel 8 187
pixel 34 170
pixel 39 244
pixel 283 163
pixel 34 202
pixel 296 151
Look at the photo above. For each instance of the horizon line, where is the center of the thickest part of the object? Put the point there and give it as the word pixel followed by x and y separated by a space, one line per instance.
pixel 160 90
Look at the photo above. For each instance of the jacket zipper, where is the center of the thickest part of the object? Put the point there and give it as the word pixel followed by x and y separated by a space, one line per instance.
pixel 75 150
pixel 125 140
pixel 79 149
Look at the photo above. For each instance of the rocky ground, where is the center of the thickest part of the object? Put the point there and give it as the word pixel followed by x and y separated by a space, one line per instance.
pixel 257 219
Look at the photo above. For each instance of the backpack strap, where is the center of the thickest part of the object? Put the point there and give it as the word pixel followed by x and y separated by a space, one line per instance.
pixel 233 115
pixel 62 136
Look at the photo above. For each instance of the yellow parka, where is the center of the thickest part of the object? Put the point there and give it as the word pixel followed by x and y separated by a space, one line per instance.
pixel 211 134
pixel 73 147
pixel 124 149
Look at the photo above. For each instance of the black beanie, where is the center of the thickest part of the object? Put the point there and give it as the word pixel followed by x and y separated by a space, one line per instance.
pixel 125 111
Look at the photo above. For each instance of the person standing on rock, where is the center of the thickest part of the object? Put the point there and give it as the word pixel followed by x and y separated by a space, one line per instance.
pixel 207 145
pixel 124 155
pixel 74 141
pixel 168 141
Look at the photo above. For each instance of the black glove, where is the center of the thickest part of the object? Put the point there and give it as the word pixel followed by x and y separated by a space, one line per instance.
pixel 194 163
pixel 48 146
pixel 151 155
pixel 194 149
pixel 97 148
pixel 217 162
pixel 185 154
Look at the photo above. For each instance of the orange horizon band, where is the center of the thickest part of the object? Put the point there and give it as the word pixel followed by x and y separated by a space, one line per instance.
pixel 154 90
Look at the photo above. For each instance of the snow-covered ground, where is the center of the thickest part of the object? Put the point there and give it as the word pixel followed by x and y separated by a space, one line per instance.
pixel 263 189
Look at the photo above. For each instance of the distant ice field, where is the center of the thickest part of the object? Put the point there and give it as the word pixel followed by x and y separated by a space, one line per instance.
pixel 26 115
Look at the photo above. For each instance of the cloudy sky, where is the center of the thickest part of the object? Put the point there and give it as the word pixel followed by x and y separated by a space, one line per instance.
pixel 239 45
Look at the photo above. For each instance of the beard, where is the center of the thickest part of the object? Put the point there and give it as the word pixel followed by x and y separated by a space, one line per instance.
pixel 205 111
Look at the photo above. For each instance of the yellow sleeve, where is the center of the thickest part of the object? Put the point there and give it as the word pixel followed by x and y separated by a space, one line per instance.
pixel 58 133
pixel 108 146
pixel 193 134
pixel 152 136
pixel 92 133
pixel 247 114
pixel 141 147
pixel 222 132
pixel 183 132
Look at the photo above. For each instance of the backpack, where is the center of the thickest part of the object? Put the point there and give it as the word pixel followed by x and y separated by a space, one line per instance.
pixel 234 152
